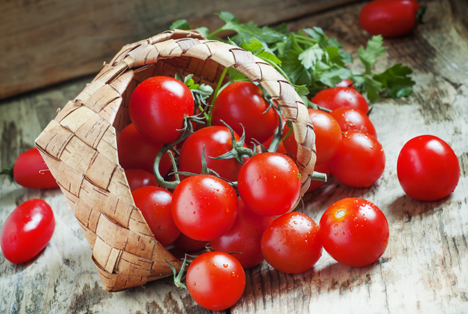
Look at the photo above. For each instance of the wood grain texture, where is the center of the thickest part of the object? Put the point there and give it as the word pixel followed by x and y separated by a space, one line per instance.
pixel 50 41
pixel 424 268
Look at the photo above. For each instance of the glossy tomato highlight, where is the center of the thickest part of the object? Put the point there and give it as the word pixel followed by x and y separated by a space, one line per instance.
pixel 30 171
pixel 354 232
pixel 338 97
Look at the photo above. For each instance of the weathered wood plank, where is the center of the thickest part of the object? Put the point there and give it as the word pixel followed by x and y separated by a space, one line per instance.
pixel 50 41
pixel 423 269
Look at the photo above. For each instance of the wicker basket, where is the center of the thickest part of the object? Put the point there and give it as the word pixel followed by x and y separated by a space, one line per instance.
pixel 80 146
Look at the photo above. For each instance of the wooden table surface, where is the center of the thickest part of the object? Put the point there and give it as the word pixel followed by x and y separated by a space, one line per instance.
pixel 424 269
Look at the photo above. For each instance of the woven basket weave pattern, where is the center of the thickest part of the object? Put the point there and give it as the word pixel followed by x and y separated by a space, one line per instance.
pixel 80 146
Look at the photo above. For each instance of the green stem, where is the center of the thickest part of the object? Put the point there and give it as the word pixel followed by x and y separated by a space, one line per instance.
pixel 278 134
pixel 215 94
pixel 166 148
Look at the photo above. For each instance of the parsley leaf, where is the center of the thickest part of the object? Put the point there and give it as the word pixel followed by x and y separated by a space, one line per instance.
pixel 369 54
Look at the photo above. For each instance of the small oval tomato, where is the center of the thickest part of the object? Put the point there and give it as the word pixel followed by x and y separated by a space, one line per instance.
pixel 217 141
pixel 242 103
pixel 428 168
pixel 291 243
pixel 155 205
pixel 27 230
pixel 244 236
pixel 215 280
pixel 269 184
pixel 204 207
pixel 315 184
pixel 135 151
pixel 352 119
pixel 360 161
pixel 389 18
pixel 338 97
pixel 187 244
pixel 327 136
pixel 158 107
pixel 138 178
pixel 354 232
pixel 30 171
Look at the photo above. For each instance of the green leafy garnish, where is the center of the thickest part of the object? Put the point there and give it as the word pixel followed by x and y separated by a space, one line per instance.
pixel 310 60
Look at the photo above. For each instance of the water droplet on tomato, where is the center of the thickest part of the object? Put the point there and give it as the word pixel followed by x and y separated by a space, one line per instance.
pixel 194 283
pixel 225 265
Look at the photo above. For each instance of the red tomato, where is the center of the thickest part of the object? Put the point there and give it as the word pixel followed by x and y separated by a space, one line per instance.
pixel 244 236
pixel 428 168
pixel 353 119
pixel 389 18
pixel 334 98
pixel 291 243
pixel 360 161
pixel 30 171
pixel 354 232
pixel 155 205
pixel 187 244
pixel 217 141
pixel 204 207
pixel 243 103
pixel 138 178
pixel 27 230
pixel 315 184
pixel 345 83
pixel 269 184
pixel 137 152
pixel 327 136
pixel 215 280
pixel 158 107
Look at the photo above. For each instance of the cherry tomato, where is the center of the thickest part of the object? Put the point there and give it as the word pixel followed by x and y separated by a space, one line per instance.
pixel 353 119
pixel 27 230
pixel 315 184
pixel 30 171
pixel 327 136
pixel 135 151
pixel 244 236
pixel 291 243
pixel 269 184
pixel 242 103
pixel 138 178
pixel 360 161
pixel 155 205
pixel 354 232
pixel 187 244
pixel 345 83
pixel 389 18
pixel 204 207
pixel 217 141
pixel 428 168
pixel 158 107
pixel 215 280
pixel 334 98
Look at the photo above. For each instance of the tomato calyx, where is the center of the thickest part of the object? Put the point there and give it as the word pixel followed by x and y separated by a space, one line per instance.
pixel 200 92
pixel 238 151
pixel 179 277
pixel 420 14
pixel 9 172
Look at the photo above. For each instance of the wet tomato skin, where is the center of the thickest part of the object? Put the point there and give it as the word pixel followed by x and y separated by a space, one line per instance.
pixel 354 232
pixel 204 207
pixel 352 119
pixel 360 161
pixel 158 107
pixel 291 243
pixel 155 205
pixel 215 280
pixel 269 184
pixel 428 169
pixel 27 230
pixel 244 236
pixel 243 102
